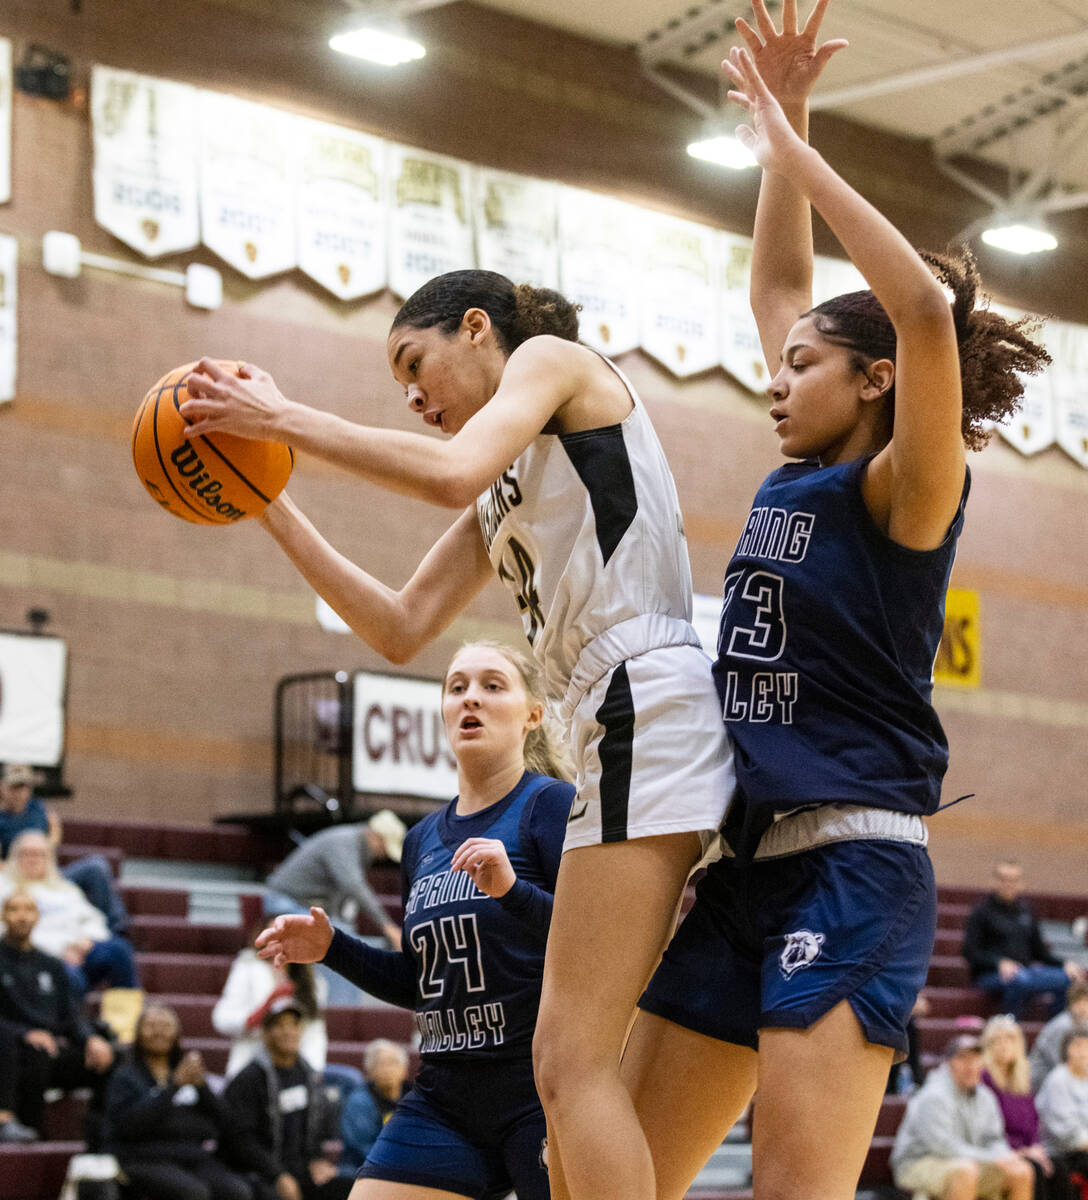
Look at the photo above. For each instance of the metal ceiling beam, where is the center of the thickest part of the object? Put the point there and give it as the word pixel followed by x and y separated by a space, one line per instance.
pixel 701 26
pixel 957 67
pixel 1064 89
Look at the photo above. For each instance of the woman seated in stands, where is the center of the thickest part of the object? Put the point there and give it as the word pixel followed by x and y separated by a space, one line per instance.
pixel 70 928
pixel 164 1120
pixel 252 986
pixel 1007 1074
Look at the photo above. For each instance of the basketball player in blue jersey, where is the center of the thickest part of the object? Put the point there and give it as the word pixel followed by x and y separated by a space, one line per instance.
pixel 567 497
pixel 796 969
pixel 477 882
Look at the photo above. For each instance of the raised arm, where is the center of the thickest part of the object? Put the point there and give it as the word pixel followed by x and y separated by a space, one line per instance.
pixel 539 377
pixel 914 484
pixel 394 623
pixel 790 62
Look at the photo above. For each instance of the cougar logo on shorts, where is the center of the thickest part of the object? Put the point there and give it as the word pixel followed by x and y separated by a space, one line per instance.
pixel 543 1160
pixel 801 949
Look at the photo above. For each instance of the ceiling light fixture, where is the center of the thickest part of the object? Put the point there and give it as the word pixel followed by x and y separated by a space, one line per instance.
pixel 1016 237
pixel 378 46
pixel 724 150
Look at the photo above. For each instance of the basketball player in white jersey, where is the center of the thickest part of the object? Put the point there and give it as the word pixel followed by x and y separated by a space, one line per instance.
pixel 566 495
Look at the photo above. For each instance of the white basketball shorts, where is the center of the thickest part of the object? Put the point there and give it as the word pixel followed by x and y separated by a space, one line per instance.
pixel 651 751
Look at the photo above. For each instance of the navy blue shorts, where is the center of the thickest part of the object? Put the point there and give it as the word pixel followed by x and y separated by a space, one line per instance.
pixel 779 942
pixel 475 1129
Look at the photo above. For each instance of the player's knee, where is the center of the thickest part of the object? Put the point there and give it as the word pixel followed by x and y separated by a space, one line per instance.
pixel 963 1176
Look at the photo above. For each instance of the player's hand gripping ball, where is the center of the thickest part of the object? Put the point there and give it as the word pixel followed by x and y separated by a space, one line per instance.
pixel 215 479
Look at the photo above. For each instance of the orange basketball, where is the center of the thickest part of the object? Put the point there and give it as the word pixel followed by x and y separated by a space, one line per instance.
pixel 212 480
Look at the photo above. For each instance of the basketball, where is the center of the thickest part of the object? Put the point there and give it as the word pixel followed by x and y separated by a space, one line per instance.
pixel 211 480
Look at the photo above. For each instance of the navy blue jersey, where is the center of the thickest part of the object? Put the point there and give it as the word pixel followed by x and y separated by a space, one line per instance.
pixel 828 635
pixel 471 965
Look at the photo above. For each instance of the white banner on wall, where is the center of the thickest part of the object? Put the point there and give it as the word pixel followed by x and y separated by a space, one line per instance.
pixel 342 239
pixel 9 255
pixel 1069 345
pixel 517 226
pixel 32 684
pixel 247 184
pixel 400 745
pixel 430 219
pixel 741 354
pixel 5 120
pixel 600 267
pixel 145 161
pixel 678 294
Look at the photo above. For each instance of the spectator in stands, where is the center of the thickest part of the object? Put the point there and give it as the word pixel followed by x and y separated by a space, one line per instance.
pixel 1006 1074
pixel 1046 1053
pixel 44 1041
pixel 1006 951
pixel 951 1142
pixel 329 869
pixel 282 1116
pixel 21 810
pixel 385 1068
pixel 164 1121
pixel 252 986
pixel 1063 1104
pixel 70 928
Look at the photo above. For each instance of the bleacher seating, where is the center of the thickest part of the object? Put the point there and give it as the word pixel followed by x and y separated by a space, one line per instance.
pixel 184 963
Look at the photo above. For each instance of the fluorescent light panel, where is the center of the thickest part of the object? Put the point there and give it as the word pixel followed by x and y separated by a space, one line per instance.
pixel 723 150
pixel 1020 239
pixel 377 46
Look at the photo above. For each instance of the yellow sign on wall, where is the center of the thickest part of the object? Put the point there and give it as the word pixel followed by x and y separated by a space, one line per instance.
pixel 959 658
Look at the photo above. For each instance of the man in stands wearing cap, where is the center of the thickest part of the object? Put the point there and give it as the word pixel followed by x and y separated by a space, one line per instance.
pixel 951 1142
pixel 282 1116
pixel 329 869
pixel 21 810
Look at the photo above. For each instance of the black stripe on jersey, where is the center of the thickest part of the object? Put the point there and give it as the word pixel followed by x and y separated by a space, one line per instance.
pixel 617 715
pixel 600 458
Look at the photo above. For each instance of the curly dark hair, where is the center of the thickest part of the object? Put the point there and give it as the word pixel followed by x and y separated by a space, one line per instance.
pixel 994 351
pixel 517 312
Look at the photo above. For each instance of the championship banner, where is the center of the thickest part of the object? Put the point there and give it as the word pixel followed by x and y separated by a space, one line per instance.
pixel 959 656
pixel 740 350
pixel 516 226
pixel 9 254
pixel 400 745
pixel 600 266
pixel 247 184
pixel 33 673
pixel 430 219
pixel 145 161
pixel 834 277
pixel 5 120
pixel 342 208
pixel 678 292
pixel 1069 345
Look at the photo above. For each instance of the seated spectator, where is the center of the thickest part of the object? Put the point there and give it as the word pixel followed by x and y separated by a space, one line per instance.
pixel 1006 1073
pixel 951 1142
pixel 21 810
pixel 1007 954
pixel 44 1041
pixel 385 1071
pixel 1046 1054
pixel 1063 1104
pixel 252 985
pixel 163 1120
pixel 282 1117
pixel 70 928
pixel 329 869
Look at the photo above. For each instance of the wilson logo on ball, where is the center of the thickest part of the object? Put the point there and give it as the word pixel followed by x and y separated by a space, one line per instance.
pixel 215 479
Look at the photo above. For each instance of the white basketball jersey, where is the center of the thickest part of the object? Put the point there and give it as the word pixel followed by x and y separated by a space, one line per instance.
pixel 585 530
